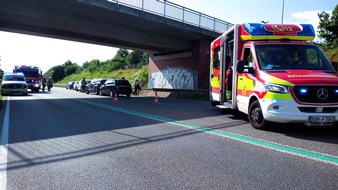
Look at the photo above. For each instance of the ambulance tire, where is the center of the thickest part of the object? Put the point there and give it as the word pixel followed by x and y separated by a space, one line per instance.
pixel 255 116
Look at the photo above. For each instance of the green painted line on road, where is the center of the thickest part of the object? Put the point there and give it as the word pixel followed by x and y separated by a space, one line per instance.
pixel 278 147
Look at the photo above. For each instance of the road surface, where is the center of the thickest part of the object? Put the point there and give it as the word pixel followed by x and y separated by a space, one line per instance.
pixel 69 140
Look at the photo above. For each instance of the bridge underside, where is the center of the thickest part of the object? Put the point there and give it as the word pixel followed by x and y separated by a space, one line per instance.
pixel 179 52
pixel 181 70
pixel 99 22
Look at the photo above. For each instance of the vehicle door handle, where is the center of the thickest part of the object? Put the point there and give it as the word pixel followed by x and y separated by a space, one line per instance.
pixel 240 78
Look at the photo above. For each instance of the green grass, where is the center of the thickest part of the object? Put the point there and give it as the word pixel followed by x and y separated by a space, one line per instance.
pixel 129 74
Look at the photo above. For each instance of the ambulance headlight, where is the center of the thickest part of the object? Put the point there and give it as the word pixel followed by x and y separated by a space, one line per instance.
pixel 276 88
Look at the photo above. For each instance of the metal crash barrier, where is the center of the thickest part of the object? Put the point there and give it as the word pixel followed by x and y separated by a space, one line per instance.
pixel 177 12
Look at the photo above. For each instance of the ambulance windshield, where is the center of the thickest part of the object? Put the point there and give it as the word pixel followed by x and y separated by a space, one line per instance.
pixel 288 57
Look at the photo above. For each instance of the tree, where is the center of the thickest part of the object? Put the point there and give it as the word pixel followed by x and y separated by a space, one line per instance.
pixel 134 58
pixel 137 59
pixel 71 69
pixel 85 65
pixel 1 71
pixel 58 73
pixel 94 65
pixel 1 74
pixel 67 63
pixel 123 53
pixel 328 28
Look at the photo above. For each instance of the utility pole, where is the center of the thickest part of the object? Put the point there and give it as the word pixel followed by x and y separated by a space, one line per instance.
pixel 282 12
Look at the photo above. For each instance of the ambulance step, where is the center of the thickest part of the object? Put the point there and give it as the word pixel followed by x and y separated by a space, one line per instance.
pixel 221 106
pixel 226 105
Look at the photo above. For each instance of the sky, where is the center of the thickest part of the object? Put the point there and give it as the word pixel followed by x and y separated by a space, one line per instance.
pixel 19 49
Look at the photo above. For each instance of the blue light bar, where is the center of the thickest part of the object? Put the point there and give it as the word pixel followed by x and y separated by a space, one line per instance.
pixel 258 31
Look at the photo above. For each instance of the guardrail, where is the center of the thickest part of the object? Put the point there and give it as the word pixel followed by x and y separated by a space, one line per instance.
pixel 176 12
pixel 179 93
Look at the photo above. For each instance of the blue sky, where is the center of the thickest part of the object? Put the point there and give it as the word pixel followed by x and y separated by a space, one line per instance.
pixel 240 11
pixel 17 49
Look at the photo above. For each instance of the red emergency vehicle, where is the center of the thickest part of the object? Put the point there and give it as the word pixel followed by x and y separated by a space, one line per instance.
pixel 273 73
pixel 32 74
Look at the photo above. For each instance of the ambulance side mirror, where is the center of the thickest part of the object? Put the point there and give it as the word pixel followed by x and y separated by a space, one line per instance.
pixel 242 69
pixel 240 66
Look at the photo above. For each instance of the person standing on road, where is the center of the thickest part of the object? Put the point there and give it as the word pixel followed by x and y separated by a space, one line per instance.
pixel 137 87
pixel 44 82
pixel 83 84
pixel 49 83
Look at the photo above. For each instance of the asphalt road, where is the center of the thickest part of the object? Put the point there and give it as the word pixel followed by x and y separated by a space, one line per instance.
pixel 70 140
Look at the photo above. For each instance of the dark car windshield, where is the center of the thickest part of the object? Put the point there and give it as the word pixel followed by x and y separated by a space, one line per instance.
pixel 277 56
pixel 13 78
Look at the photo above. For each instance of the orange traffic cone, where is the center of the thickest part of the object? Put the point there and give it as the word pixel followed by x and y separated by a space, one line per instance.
pixel 115 99
pixel 156 99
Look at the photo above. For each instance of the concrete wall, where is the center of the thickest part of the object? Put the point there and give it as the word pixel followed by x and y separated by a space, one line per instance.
pixel 187 69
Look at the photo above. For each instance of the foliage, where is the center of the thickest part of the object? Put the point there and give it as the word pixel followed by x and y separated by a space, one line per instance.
pixel 94 65
pixel 328 29
pixel 71 69
pixel 136 59
pixel 129 74
pixel 332 54
pixel 131 65
pixel 61 71
pixel 1 73
pixel 58 73
pixel 122 53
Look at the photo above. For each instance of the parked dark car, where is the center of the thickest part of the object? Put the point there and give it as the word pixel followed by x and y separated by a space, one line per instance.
pixel 94 86
pixel 70 85
pixel 116 86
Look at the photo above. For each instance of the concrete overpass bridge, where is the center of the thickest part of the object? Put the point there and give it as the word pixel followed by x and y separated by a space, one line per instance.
pixel 176 38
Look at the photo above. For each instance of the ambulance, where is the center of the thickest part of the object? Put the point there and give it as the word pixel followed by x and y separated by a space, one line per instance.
pixel 274 73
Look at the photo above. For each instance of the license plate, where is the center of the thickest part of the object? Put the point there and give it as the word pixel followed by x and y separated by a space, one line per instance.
pixel 322 119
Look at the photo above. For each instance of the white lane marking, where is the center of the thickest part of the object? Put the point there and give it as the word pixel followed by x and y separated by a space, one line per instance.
pixel 3 147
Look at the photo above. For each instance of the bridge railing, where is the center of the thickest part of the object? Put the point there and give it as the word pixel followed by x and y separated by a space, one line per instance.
pixel 177 12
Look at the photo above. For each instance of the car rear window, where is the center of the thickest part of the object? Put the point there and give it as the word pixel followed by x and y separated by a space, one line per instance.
pixel 122 82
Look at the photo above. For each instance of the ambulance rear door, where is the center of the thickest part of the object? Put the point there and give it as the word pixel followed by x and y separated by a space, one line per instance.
pixel 217 72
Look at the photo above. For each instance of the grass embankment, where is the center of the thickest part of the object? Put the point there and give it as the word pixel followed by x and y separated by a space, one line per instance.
pixel 129 74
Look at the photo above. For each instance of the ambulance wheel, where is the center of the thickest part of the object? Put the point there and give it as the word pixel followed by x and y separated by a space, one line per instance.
pixel 255 116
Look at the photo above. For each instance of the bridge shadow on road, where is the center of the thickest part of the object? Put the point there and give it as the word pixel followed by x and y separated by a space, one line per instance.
pixel 63 129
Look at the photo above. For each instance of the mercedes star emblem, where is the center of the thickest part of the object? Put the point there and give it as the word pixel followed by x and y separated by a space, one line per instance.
pixel 322 94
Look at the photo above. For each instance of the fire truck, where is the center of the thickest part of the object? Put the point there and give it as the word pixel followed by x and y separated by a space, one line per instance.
pixel 32 74
pixel 274 73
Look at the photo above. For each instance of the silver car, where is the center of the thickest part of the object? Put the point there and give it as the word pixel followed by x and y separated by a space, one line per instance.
pixel 14 83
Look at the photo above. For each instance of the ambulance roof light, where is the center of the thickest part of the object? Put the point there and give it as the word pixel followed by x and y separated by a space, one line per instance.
pixel 259 31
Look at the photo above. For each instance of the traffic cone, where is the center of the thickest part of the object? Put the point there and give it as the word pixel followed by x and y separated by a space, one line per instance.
pixel 115 99
pixel 156 99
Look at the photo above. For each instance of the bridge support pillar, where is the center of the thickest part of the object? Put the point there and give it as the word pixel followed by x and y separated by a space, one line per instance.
pixel 186 69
